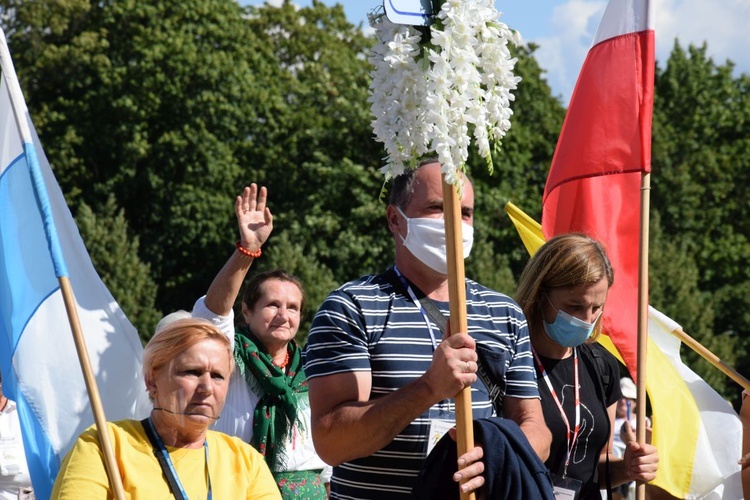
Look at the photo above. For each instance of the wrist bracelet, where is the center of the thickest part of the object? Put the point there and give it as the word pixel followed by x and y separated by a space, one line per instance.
pixel 245 251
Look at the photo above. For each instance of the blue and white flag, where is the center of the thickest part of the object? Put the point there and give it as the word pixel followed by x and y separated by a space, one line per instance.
pixel 39 242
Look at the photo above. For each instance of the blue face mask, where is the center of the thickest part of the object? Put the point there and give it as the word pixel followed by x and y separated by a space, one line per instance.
pixel 569 331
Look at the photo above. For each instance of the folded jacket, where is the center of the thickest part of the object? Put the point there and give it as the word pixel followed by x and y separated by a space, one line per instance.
pixel 513 471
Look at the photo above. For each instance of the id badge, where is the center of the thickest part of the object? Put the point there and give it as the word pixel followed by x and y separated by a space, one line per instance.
pixel 566 488
pixel 441 420
pixel 438 428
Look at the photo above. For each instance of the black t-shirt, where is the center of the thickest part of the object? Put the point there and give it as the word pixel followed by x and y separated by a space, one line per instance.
pixel 594 426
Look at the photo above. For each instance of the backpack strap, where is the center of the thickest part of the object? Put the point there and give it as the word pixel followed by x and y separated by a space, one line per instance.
pixel 602 368
pixel 603 382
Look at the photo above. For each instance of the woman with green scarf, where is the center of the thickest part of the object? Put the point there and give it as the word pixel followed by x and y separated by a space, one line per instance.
pixel 267 403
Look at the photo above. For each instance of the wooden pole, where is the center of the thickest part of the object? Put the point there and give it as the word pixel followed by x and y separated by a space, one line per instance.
pixel 88 375
pixel 711 358
pixel 640 492
pixel 20 111
pixel 458 319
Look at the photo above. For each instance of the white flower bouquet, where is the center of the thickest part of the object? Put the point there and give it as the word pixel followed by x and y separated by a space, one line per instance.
pixel 433 93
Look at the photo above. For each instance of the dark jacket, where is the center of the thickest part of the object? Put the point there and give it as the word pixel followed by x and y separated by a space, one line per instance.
pixel 513 471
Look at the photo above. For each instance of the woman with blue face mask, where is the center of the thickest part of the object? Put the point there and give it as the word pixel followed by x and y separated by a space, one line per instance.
pixel 563 291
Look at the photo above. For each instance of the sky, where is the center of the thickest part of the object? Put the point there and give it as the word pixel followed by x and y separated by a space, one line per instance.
pixel 564 29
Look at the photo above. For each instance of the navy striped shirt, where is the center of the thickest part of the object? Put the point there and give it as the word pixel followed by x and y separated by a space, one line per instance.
pixel 371 325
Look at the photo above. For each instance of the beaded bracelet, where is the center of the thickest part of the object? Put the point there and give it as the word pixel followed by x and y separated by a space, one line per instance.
pixel 245 251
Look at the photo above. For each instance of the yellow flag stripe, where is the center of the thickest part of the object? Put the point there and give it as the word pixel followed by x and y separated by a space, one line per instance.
pixel 529 229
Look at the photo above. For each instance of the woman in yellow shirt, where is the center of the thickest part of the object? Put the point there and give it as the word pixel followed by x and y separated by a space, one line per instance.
pixel 172 453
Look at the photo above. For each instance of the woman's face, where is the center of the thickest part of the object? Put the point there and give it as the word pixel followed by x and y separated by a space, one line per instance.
pixel 275 318
pixel 584 302
pixel 194 386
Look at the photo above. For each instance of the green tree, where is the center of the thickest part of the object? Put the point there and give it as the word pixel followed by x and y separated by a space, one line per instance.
pixel 114 253
pixel 155 102
pixel 162 104
pixel 700 190
pixel 323 173
pixel 674 290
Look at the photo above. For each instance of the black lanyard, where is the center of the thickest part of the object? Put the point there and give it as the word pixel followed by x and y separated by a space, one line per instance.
pixel 167 467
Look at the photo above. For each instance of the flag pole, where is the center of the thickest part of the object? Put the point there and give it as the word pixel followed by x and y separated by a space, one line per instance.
pixel 711 358
pixel 20 112
pixel 88 375
pixel 458 318
pixel 640 492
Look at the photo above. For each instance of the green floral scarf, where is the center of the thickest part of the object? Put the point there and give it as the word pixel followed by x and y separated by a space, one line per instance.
pixel 277 410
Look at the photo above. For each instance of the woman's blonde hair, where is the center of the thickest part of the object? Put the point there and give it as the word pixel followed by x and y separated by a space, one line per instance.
pixel 176 338
pixel 566 261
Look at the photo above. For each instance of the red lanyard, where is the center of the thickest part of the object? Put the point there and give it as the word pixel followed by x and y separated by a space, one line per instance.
pixel 571 441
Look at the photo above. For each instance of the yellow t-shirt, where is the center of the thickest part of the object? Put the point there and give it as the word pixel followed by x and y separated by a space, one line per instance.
pixel 236 469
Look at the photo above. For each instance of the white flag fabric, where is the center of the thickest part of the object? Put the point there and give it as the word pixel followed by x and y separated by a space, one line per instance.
pixel 39 242
pixel 717 433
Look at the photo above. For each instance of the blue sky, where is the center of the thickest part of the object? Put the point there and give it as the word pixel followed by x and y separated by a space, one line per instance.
pixel 563 29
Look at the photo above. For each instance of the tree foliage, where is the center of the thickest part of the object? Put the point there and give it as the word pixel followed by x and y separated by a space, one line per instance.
pixel 156 103
pixel 323 173
pixel 700 191
pixel 114 253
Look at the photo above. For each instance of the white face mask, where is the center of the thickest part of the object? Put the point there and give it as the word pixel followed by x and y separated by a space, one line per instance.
pixel 425 239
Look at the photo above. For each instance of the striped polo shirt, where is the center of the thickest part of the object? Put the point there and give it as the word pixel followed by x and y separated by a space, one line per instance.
pixel 372 325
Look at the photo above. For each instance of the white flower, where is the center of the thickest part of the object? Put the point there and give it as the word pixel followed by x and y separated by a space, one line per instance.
pixel 438 99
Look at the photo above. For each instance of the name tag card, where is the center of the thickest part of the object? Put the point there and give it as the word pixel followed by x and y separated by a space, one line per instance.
pixel 438 428
pixel 566 488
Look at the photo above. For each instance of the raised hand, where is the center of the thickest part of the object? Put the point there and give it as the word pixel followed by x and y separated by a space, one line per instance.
pixel 253 217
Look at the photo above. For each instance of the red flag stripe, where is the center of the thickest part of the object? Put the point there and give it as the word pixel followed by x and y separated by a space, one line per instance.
pixel 608 126
pixel 604 148
pixel 607 208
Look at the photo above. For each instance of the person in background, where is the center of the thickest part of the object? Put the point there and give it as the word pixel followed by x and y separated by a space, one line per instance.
pixel 624 431
pixel 624 412
pixel 15 482
pixel 382 375
pixel 563 291
pixel 267 404
pixel 186 367
pixel 172 317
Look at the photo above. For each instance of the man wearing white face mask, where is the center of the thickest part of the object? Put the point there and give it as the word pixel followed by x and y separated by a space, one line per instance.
pixel 381 376
pixel 425 239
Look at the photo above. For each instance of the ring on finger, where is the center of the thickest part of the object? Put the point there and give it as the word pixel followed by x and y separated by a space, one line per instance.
pixel 468 367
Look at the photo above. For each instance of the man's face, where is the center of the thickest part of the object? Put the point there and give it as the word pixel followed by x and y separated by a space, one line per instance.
pixel 427 199
pixel 426 202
